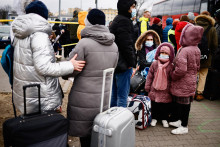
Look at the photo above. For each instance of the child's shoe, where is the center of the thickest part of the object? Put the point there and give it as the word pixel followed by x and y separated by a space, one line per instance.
pixel 153 122
pixel 176 123
pixel 180 130
pixel 165 124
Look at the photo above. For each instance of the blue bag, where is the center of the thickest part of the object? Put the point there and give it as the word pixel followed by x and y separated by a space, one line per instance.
pixel 7 61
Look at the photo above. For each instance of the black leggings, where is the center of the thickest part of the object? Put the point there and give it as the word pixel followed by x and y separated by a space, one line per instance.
pixel 160 110
pixel 181 112
pixel 85 141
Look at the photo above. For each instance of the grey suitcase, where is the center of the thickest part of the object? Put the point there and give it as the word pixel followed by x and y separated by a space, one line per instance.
pixel 114 127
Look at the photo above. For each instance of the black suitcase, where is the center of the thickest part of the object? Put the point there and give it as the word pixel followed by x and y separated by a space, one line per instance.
pixel 212 86
pixel 42 129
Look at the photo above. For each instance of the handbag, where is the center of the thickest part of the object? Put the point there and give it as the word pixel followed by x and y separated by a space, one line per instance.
pixel 137 82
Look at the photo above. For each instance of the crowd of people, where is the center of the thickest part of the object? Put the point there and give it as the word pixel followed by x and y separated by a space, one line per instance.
pixel 175 66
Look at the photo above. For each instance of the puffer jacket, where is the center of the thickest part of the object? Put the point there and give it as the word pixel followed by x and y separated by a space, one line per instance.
pixel 81 17
pixel 34 63
pixel 169 26
pixel 140 47
pixel 123 30
pixel 187 62
pixel 205 21
pixel 160 96
pixel 98 49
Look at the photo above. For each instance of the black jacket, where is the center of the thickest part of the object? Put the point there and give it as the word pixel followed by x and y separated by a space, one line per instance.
pixel 157 29
pixel 123 30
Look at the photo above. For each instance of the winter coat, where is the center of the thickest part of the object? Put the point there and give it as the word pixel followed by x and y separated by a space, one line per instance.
pixel 216 61
pixel 157 29
pixel 56 28
pixel 178 31
pixel 98 49
pixel 169 26
pixel 34 63
pixel 81 17
pixel 140 47
pixel 187 62
pixel 205 21
pixel 160 96
pixel 123 30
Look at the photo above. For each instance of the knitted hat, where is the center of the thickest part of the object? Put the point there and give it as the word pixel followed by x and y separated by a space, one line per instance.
pixel 37 7
pixel 96 16
pixel 191 16
pixel 205 13
pixel 217 14
pixel 175 22
pixel 165 49
pixel 156 20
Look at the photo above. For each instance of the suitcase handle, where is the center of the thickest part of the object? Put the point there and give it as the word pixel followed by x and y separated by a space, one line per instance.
pixel 108 70
pixel 39 106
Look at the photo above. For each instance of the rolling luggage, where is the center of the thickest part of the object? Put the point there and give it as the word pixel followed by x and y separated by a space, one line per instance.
pixel 40 129
pixel 114 127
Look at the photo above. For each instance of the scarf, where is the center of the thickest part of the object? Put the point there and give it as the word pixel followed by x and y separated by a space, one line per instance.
pixel 160 80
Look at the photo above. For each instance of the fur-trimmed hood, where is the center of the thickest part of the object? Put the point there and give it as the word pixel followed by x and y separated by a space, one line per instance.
pixel 172 54
pixel 142 39
pixel 205 20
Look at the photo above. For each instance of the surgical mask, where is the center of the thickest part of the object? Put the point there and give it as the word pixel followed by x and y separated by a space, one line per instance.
pixel 133 12
pixel 149 43
pixel 164 56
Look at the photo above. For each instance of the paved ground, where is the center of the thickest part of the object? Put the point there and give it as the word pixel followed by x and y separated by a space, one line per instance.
pixel 204 123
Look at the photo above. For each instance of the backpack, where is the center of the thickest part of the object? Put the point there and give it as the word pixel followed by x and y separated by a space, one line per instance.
pixel 7 61
pixel 140 106
pixel 203 46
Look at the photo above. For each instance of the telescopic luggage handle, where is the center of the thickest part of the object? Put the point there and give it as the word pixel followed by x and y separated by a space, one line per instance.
pixel 108 70
pixel 39 106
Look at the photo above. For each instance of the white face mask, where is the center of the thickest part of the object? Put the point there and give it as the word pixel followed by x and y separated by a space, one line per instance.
pixel 149 43
pixel 133 12
pixel 164 56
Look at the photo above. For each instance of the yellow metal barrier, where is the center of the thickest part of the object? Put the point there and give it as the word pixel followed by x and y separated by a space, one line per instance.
pixel 5 20
pixel 69 44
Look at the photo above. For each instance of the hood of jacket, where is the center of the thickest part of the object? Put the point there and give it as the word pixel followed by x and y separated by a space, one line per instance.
pixel 172 54
pixel 25 25
pixel 191 35
pixel 142 39
pixel 123 7
pixel 169 21
pixel 81 17
pixel 99 33
pixel 180 26
pixel 204 20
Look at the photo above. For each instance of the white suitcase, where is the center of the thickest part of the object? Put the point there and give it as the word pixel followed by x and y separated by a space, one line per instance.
pixel 114 127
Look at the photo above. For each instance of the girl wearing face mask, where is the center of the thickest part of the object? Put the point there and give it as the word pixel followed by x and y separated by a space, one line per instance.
pixel 158 83
pixel 145 45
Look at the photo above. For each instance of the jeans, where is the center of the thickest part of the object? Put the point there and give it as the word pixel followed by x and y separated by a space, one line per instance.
pixel 121 88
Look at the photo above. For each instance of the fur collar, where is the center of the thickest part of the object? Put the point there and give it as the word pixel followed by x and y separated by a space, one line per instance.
pixel 206 17
pixel 141 39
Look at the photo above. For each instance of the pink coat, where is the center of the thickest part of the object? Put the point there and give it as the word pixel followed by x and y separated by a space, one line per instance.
pixel 160 96
pixel 187 62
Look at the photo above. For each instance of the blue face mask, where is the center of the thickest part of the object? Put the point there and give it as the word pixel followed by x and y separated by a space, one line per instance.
pixel 149 43
pixel 133 12
pixel 164 56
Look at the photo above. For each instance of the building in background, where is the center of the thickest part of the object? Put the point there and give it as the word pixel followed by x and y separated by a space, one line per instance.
pixel 109 14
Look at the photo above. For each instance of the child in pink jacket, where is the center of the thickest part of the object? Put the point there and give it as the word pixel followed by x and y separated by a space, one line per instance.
pixel 184 76
pixel 158 83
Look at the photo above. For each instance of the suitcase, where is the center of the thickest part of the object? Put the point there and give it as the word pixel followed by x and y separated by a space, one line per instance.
pixel 40 129
pixel 212 86
pixel 114 127
pixel 140 106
